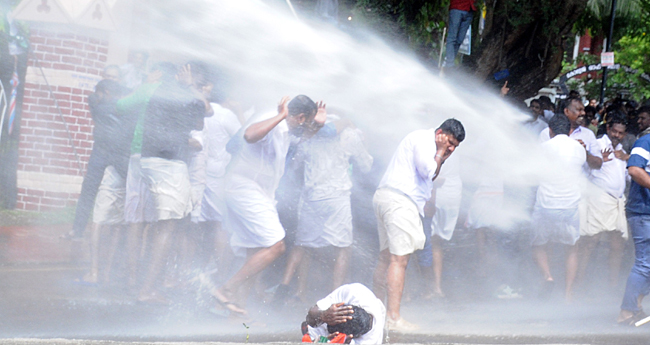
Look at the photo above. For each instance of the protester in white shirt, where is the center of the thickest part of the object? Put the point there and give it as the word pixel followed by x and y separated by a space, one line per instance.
pixel 555 216
pixel 324 210
pixel 255 173
pixel 399 203
pixel 573 109
pixel 537 122
pixel 217 131
pixel 606 200
pixel 334 313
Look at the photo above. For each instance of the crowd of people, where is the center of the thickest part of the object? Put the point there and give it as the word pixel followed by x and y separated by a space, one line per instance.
pixel 184 177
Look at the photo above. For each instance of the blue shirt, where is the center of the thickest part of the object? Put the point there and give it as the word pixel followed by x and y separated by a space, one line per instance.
pixel 639 198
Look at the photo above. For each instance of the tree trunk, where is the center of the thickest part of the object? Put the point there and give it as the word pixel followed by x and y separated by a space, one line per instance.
pixel 527 38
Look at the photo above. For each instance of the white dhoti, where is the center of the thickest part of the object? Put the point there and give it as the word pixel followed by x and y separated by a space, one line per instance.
pixel 324 223
pixel 213 205
pixel 486 211
pixel 448 198
pixel 169 184
pixel 139 206
pixel 252 216
pixel 109 203
pixel 604 212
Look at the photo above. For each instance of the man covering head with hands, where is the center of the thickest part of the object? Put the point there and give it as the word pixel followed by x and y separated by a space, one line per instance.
pixel 399 203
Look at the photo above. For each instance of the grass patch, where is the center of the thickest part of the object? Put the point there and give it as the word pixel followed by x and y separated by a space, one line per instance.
pixel 26 218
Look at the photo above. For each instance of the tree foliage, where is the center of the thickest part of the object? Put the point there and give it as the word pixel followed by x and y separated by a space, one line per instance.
pixel 526 37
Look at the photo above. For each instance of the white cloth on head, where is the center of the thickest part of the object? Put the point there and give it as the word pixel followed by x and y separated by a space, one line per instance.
pixel 169 184
pixel 413 166
pixel 139 205
pixel 561 187
pixel 250 190
pixel 612 174
pixel 448 197
pixel 604 212
pixel 357 295
pixel 109 203
pixel 326 222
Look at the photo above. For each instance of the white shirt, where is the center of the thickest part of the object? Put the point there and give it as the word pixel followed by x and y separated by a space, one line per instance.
pixel 327 163
pixel 263 162
pixel 548 115
pixel 561 187
pixel 197 164
pixel 537 126
pixel 360 296
pixel 413 166
pixel 217 131
pixel 580 133
pixel 611 176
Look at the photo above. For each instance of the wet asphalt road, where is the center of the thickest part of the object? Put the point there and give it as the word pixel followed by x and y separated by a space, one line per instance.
pixel 41 302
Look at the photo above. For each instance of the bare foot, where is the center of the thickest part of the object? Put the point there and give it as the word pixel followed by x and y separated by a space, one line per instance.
pixel 221 298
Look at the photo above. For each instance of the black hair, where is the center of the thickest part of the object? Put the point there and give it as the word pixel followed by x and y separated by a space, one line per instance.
pixel 535 101
pixel 453 127
pixel 616 116
pixel 567 102
pixel 574 94
pixel 222 84
pixel 589 109
pixel 546 102
pixel 200 68
pixel 360 324
pixel 302 104
pixel 167 69
pixel 644 109
pixel 560 124
pixel 111 86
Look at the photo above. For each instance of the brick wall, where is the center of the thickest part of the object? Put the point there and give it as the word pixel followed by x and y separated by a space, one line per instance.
pixel 49 174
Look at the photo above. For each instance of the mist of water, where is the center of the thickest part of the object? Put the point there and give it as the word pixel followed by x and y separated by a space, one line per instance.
pixel 387 93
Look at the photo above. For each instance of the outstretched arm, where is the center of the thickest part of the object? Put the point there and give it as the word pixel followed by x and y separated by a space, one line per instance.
pixel 259 130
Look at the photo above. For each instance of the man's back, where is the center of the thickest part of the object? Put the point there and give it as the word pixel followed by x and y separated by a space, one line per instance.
pixel 173 112
pixel 561 186
pixel 327 161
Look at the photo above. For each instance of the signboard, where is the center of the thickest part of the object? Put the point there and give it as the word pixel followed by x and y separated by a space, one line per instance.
pixel 607 59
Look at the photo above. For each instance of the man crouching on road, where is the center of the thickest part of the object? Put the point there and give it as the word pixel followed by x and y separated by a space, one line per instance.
pixel 350 314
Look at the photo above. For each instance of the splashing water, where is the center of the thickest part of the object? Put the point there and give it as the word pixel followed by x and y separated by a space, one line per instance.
pixel 386 93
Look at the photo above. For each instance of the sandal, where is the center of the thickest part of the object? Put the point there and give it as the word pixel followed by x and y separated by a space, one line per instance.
pixel 634 319
pixel 224 302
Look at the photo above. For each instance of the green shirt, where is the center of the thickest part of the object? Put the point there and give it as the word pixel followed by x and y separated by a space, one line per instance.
pixel 136 103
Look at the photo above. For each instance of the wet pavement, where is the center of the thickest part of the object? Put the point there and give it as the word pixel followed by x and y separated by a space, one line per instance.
pixel 41 300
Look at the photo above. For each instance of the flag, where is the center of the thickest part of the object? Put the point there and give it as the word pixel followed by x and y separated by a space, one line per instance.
pixel 12 102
